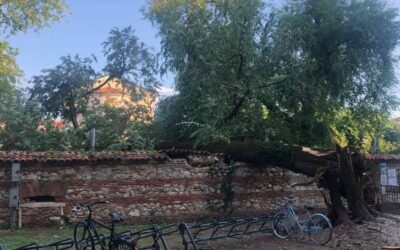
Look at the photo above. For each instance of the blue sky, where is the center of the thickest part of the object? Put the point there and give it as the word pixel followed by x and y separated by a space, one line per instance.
pixel 82 32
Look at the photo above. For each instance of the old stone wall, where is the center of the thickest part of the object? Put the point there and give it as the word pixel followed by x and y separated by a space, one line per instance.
pixel 150 192
pixel 5 184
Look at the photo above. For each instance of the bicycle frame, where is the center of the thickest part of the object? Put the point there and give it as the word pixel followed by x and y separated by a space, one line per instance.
pixel 90 222
pixel 289 211
pixel 99 237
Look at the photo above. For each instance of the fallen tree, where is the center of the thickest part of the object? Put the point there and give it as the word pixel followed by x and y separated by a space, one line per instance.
pixel 338 172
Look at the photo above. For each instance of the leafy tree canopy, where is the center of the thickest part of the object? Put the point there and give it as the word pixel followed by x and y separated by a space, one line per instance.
pixel 339 55
pixel 116 129
pixel 23 126
pixel 64 90
pixel 217 51
pixel 20 16
pixel 288 75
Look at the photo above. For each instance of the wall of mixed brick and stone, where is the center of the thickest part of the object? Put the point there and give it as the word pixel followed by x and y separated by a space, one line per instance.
pixel 151 192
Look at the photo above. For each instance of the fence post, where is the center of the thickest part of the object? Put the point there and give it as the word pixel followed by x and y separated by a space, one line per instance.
pixel 14 193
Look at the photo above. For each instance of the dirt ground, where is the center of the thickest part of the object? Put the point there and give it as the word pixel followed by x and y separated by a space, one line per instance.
pixel 371 235
pixel 383 231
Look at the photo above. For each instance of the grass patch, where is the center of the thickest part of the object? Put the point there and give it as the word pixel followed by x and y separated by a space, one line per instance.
pixel 20 237
pixel 16 238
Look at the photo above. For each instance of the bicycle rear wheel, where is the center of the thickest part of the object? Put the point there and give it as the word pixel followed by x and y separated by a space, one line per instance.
pixel 83 238
pixel 282 225
pixel 319 228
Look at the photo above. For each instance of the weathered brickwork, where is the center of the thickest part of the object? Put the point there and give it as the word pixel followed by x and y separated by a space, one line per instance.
pixel 149 192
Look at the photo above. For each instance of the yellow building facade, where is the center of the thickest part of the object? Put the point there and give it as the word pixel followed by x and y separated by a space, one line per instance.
pixel 119 94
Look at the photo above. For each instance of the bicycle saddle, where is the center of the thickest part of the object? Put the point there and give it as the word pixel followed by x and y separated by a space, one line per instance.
pixel 115 218
pixel 308 208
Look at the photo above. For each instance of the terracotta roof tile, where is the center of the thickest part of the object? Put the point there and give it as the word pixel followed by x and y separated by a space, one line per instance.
pixel 386 157
pixel 23 156
pixel 174 153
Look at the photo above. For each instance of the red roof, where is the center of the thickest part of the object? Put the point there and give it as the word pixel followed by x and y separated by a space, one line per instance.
pixel 108 89
pixel 393 157
pixel 24 156
pixel 174 153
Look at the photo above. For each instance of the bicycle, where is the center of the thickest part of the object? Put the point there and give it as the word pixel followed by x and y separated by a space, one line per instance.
pixel 86 236
pixel 316 225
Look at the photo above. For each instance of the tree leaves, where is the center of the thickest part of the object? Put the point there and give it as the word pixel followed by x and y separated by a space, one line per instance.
pixel 331 57
pixel 20 15
pixel 129 59
pixel 65 89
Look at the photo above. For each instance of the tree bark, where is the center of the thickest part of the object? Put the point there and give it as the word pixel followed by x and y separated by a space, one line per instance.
pixel 73 114
pixel 336 210
pixel 353 189
pixel 74 121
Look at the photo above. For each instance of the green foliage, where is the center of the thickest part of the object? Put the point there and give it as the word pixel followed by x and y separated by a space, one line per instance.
pixel 9 69
pixel 339 55
pixel 63 90
pixel 295 75
pixel 23 126
pixel 166 119
pixel 115 129
pixel 389 140
pixel 356 129
pixel 129 59
pixel 227 186
pixel 216 51
pixel 20 15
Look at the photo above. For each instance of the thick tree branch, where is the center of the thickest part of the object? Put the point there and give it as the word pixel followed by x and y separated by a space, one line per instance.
pixel 226 60
pixel 237 107
pixel 238 104
pixel 109 78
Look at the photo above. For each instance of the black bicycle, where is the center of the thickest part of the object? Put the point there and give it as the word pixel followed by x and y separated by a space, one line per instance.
pixel 86 236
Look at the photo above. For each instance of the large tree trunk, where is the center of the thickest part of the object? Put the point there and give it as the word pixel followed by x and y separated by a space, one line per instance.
pixel 74 120
pixel 352 186
pixel 336 210
pixel 73 114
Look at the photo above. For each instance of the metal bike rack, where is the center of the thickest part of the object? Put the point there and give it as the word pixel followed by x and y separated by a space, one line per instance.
pixel 59 245
pixel 156 233
pixel 192 235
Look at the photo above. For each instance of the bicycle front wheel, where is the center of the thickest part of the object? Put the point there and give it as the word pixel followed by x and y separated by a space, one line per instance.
pixel 83 238
pixel 319 228
pixel 282 226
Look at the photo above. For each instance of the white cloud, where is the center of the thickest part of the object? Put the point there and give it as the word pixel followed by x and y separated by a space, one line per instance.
pixel 165 92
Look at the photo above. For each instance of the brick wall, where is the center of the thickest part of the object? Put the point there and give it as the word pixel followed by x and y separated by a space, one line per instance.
pixel 150 192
